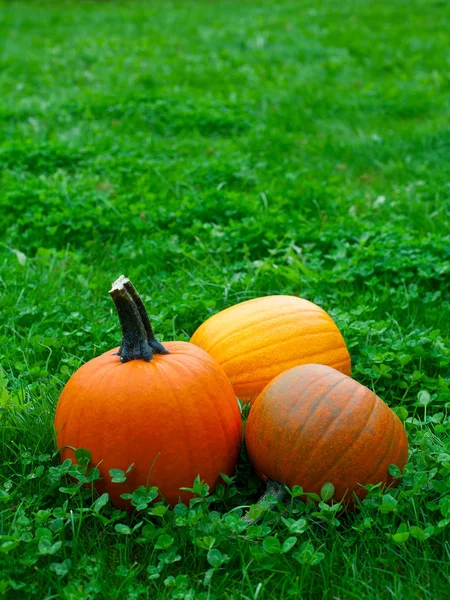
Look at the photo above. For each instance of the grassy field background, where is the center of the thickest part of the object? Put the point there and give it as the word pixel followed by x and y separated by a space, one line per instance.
pixel 214 152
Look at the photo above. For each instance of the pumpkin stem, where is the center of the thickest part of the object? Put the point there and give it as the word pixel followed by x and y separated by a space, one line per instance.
pixel 157 347
pixel 275 492
pixel 138 339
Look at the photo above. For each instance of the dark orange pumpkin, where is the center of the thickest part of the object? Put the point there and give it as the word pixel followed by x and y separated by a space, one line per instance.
pixel 169 409
pixel 312 425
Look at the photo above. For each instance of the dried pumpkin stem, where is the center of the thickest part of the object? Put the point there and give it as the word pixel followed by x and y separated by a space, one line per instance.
pixel 157 347
pixel 275 492
pixel 134 323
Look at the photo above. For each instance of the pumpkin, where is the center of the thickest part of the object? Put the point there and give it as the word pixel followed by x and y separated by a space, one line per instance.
pixel 256 340
pixel 168 409
pixel 312 425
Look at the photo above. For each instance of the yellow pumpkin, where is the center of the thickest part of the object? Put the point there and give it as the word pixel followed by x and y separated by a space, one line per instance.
pixel 256 340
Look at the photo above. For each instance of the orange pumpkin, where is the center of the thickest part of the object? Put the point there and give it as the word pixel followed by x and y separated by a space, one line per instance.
pixel 256 340
pixel 169 409
pixel 312 425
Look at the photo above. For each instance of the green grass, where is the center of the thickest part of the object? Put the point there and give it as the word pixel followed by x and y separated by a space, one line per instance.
pixel 214 152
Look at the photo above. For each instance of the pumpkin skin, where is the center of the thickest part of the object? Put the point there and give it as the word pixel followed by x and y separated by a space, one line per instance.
pixel 175 417
pixel 312 425
pixel 256 340
pixel 168 409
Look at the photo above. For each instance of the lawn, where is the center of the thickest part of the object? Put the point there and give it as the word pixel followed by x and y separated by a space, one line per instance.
pixel 215 152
